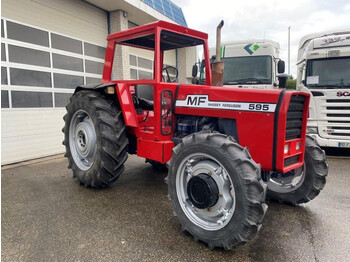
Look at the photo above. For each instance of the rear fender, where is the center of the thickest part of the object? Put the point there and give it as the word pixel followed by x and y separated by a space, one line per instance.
pixel 94 86
pixel 124 97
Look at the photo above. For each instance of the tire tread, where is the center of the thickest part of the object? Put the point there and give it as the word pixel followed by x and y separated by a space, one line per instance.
pixel 253 188
pixel 112 132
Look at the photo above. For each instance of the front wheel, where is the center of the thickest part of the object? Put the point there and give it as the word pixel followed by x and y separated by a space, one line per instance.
pixel 216 190
pixel 303 184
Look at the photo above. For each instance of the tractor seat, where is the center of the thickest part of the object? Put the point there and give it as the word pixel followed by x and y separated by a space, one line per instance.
pixel 145 95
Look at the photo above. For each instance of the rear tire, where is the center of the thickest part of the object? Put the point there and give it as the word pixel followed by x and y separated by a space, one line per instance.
pixel 312 178
pixel 95 139
pixel 235 208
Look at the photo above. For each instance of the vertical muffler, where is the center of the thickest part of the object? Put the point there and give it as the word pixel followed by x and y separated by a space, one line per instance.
pixel 217 66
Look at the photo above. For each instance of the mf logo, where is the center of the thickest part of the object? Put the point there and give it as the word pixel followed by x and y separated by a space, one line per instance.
pixel 251 48
pixel 194 100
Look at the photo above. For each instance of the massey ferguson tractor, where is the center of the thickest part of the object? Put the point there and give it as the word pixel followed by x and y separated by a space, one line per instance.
pixel 226 149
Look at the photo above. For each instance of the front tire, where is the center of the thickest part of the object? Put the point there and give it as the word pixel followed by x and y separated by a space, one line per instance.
pixel 306 182
pixel 216 190
pixel 95 139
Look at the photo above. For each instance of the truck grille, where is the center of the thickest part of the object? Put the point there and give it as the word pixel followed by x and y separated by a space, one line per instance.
pixel 337 113
pixel 295 117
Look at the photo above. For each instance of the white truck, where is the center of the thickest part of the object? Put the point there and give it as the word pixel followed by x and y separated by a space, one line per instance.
pixel 251 63
pixel 324 72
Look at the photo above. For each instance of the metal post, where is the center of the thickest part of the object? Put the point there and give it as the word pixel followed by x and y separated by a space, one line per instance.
pixel 289 50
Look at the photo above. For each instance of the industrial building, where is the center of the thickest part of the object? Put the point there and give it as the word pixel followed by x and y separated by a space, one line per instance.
pixel 48 47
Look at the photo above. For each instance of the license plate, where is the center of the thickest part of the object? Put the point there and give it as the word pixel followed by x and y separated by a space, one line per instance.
pixel 343 144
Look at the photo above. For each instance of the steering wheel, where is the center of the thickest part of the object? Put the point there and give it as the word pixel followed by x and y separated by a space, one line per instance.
pixel 169 80
pixel 135 100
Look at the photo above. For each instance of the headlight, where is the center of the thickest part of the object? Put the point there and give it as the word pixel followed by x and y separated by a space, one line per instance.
pixel 312 130
pixel 297 146
pixel 286 149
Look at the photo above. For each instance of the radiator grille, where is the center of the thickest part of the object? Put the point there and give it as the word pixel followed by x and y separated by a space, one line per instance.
pixel 291 160
pixel 295 117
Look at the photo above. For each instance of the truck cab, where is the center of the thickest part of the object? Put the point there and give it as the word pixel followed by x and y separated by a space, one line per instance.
pixel 253 63
pixel 324 72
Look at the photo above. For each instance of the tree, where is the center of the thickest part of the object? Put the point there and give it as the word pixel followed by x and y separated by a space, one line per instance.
pixel 291 84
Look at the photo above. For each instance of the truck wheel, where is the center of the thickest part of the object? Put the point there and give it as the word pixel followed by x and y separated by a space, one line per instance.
pixel 95 139
pixel 303 184
pixel 216 190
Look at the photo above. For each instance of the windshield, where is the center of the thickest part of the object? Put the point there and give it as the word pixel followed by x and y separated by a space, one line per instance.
pixel 247 70
pixel 244 70
pixel 328 73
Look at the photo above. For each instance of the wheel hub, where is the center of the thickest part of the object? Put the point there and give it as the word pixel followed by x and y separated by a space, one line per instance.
pixel 85 138
pixel 203 191
pixel 82 139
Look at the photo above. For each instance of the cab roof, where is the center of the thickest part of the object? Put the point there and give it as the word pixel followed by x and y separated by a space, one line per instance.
pixel 172 36
pixel 309 37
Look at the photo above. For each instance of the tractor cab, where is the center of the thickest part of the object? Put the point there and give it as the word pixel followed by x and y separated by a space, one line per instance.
pixel 150 112
pixel 159 37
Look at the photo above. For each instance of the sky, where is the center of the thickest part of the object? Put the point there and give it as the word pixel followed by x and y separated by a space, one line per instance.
pixel 269 18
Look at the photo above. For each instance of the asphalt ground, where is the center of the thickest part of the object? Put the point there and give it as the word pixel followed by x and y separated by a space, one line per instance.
pixel 48 216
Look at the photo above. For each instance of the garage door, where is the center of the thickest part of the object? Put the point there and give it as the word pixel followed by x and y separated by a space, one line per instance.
pixel 39 71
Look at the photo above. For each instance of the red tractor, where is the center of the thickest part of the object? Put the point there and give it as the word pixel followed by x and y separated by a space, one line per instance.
pixel 222 145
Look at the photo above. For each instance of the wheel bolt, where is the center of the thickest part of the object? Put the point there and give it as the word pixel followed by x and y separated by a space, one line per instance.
pixel 221 195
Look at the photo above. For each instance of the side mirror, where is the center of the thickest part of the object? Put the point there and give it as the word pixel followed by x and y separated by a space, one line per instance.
pixel 194 70
pixel 282 80
pixel 280 66
pixel 195 81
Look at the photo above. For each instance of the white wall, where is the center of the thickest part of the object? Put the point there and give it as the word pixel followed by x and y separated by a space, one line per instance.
pixel 70 17
pixel 31 133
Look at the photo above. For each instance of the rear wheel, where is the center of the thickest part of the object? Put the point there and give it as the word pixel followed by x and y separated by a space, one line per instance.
pixel 303 184
pixel 95 139
pixel 216 190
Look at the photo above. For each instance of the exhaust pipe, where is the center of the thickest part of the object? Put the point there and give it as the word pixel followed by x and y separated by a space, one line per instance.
pixel 218 40
pixel 217 66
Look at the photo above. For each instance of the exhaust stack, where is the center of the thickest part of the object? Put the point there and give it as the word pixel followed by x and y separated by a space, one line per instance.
pixel 217 66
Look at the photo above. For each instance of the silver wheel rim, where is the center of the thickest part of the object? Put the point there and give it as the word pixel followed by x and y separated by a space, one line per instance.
pixel 82 140
pixel 288 184
pixel 217 216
